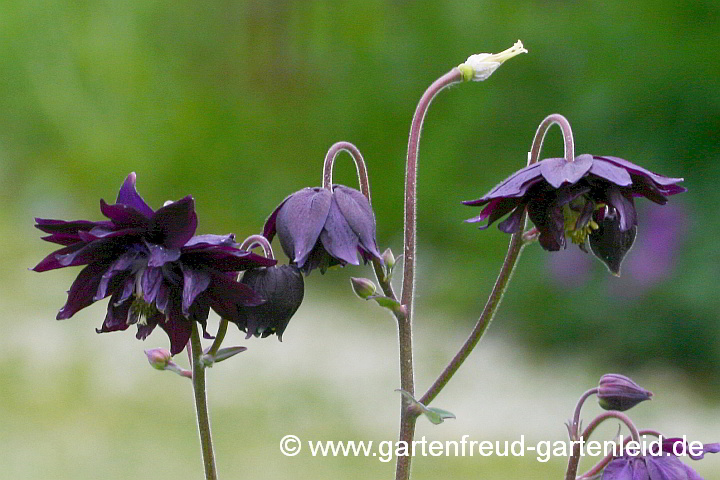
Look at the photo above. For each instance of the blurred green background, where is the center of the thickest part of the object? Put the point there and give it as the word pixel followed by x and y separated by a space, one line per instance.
pixel 237 103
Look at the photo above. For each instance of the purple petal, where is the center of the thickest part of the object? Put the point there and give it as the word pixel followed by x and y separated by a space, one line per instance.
pixel 666 467
pixel 174 224
pixel 496 209
pixel 117 316
pixel 514 222
pixel 638 170
pixel 98 251
pixel 52 262
pixel 618 469
pixel 124 215
pixel 122 263
pixel 225 258
pixel 300 221
pixel 194 283
pixel 65 239
pixel 178 329
pixel 70 228
pixel 203 241
pixel 150 283
pixel 82 291
pixel 160 255
pixel 338 239
pixel 558 171
pixel 610 171
pixel 359 215
pixel 514 186
pixel 624 207
pixel 128 196
pixel 269 229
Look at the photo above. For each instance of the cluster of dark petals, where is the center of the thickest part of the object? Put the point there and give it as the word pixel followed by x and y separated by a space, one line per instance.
pixel 319 228
pixel 663 465
pixel 283 288
pixel 151 264
pixel 595 189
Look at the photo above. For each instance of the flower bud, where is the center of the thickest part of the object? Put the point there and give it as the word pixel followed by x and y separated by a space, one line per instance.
pixel 618 392
pixel 480 66
pixel 158 357
pixel 363 287
pixel 388 259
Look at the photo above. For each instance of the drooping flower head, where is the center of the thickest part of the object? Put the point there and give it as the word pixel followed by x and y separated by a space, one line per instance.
pixel 283 288
pixel 151 264
pixel 590 198
pixel 320 228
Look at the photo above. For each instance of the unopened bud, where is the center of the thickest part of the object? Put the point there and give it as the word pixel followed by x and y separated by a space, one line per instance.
pixel 388 259
pixel 618 392
pixel 480 66
pixel 363 287
pixel 159 358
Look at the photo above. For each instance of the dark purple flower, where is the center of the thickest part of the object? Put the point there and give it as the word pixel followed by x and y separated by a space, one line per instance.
pixel 283 288
pixel 618 392
pixel 591 197
pixel 151 264
pixel 649 467
pixel 658 465
pixel 318 228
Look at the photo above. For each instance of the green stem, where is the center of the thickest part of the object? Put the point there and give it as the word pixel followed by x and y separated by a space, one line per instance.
pixel 201 408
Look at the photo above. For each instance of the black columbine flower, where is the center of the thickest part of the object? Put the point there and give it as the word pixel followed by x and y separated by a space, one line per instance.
pixel 591 197
pixel 154 269
pixel 318 228
pixel 283 288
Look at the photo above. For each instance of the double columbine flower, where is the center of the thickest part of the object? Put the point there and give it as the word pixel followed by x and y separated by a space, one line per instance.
pixel 588 198
pixel 320 228
pixel 153 267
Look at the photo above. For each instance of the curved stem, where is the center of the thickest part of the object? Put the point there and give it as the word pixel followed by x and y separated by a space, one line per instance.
pixel 219 337
pixel 258 241
pixel 407 379
pixel 576 417
pixel 549 121
pixel 201 408
pixel 574 459
pixel 359 166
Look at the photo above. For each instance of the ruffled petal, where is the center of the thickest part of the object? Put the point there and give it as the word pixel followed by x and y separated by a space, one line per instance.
pixel 174 224
pixel 128 196
pixel 82 291
pixel 194 283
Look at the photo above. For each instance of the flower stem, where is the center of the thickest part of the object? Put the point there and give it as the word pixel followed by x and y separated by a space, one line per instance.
pixel 258 241
pixel 201 408
pixel 219 337
pixel 360 166
pixel 407 380
pixel 574 459
pixel 549 121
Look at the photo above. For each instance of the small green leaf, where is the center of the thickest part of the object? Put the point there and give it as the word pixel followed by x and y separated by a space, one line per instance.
pixel 435 415
pixel 438 415
pixel 222 354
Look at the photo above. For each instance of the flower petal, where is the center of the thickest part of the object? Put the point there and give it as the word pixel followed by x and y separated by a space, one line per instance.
pixel 128 196
pixel 174 224
pixel 82 291
pixel 624 207
pixel 558 171
pixel 338 239
pixel 300 221
pixel 71 228
pixel 204 241
pixel 610 172
pixel 194 283
pixel 123 215
pixel 122 263
pixel 116 317
pixel 160 255
pixel 224 258
pixel 516 185
pixel 51 262
pixel 359 215
pixel 638 170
